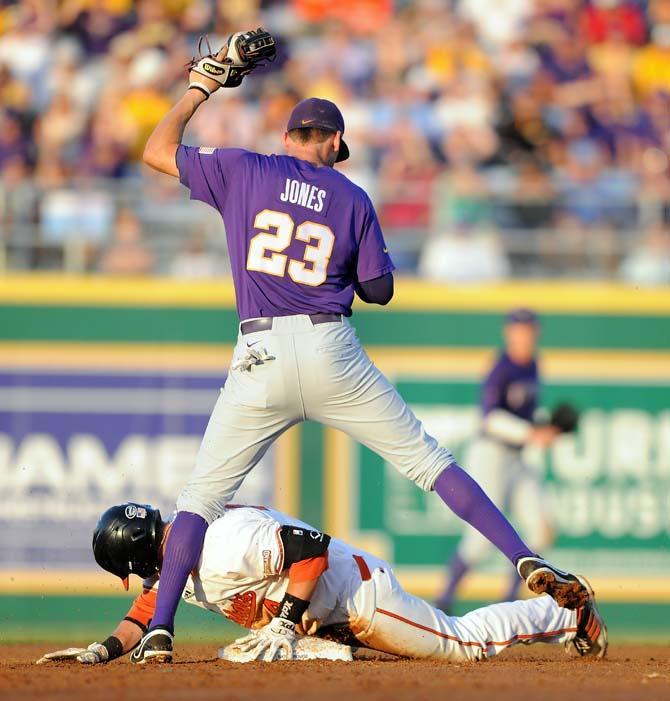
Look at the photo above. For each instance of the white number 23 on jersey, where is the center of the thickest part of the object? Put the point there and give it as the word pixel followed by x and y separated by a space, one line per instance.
pixel 276 231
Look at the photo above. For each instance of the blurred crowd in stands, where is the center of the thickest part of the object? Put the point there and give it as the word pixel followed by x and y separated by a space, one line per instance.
pixel 496 137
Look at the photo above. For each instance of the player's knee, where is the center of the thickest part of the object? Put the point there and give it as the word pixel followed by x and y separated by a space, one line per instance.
pixel 427 467
pixel 191 500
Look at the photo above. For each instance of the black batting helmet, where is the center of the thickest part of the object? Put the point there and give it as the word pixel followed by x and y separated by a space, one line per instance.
pixel 127 540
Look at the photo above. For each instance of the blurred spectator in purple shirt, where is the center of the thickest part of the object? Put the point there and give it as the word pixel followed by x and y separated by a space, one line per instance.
pixel 13 143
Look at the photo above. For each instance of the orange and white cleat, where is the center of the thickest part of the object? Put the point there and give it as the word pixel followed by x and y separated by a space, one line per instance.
pixel 591 638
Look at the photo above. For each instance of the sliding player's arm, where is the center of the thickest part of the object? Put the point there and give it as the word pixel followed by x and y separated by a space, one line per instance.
pixel 123 639
pixel 306 559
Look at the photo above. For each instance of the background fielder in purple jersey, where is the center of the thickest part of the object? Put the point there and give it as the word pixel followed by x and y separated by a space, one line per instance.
pixel 509 399
pixel 242 185
pixel 512 387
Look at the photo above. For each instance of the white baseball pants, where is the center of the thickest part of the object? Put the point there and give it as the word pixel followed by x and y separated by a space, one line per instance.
pixel 386 618
pixel 294 372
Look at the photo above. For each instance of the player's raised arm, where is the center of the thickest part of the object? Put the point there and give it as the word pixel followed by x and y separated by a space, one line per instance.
pixel 226 69
pixel 161 148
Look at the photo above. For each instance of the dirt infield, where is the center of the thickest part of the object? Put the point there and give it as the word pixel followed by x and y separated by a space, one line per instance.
pixel 631 672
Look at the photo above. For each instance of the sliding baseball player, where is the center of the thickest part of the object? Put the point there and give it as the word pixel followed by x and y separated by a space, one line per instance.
pixel 282 579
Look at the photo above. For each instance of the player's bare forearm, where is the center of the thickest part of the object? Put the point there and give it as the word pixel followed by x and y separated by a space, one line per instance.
pixel 128 634
pixel 302 589
pixel 303 578
pixel 161 147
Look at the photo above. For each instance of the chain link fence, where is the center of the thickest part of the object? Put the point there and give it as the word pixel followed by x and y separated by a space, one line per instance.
pixel 148 226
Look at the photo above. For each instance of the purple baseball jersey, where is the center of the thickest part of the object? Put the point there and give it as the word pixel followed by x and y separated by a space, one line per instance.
pixel 512 387
pixel 299 236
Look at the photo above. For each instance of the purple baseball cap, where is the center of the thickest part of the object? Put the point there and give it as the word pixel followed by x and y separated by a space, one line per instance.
pixel 522 315
pixel 320 114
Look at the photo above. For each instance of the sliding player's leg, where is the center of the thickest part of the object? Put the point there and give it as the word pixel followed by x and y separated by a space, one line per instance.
pixel 406 625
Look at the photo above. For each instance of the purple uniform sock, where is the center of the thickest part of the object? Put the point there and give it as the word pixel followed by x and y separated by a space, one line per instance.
pixel 182 552
pixel 468 501
pixel 457 570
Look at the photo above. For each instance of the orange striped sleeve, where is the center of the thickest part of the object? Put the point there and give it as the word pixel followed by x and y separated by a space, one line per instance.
pixel 306 570
pixel 142 610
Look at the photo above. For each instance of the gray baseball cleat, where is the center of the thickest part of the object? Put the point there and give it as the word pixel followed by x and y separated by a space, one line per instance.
pixel 154 648
pixel 591 638
pixel 542 578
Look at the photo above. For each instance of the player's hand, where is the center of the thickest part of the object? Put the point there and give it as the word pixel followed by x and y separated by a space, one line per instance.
pixel 243 52
pixel 543 436
pixel 273 642
pixel 198 77
pixel 95 653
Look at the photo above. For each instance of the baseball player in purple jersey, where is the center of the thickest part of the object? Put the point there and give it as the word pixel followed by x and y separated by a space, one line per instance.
pixel 509 399
pixel 303 239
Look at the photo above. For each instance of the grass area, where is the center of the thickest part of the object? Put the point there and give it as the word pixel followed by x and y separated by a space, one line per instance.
pixel 82 619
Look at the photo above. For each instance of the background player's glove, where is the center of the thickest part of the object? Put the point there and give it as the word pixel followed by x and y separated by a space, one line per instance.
pixel 564 417
pixel 243 52
pixel 95 653
pixel 273 642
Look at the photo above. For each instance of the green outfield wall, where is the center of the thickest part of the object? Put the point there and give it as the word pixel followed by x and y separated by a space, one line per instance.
pixel 76 353
pixel 77 620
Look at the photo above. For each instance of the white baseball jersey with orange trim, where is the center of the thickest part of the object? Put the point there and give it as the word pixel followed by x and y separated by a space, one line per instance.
pixel 241 576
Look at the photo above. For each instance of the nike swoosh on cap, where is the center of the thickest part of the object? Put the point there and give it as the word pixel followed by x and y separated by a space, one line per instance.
pixel 306 121
pixel 386 250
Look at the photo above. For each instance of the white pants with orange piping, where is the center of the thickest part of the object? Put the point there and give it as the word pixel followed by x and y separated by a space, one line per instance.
pixel 386 618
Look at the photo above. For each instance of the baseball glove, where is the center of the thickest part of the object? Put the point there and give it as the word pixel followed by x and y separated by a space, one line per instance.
pixel 245 51
pixel 565 417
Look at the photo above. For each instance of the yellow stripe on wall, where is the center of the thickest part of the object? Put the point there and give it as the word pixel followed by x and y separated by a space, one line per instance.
pixel 115 358
pixel 558 297
pixel 75 290
pixel 425 583
pixel 68 582
pixel 567 297
pixel 407 362
pixel 489 586
pixel 473 363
